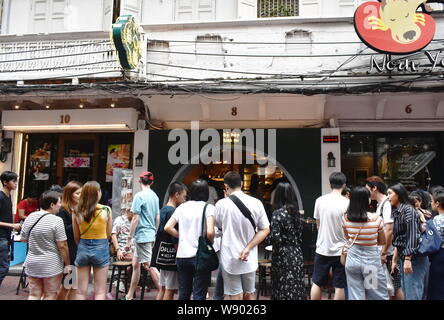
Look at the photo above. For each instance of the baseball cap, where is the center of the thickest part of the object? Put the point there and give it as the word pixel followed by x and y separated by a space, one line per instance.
pixel 147 174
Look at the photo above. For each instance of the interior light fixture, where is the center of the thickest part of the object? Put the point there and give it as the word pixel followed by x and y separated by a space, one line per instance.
pixel 81 106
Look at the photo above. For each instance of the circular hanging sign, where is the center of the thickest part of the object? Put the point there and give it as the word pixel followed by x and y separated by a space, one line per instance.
pixel 128 41
pixel 394 26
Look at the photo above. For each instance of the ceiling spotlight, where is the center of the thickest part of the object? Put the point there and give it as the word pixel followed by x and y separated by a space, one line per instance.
pixel 112 105
pixel 47 106
pixel 81 106
pixel 17 106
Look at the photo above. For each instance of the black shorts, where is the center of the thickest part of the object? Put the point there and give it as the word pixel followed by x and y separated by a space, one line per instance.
pixel 322 267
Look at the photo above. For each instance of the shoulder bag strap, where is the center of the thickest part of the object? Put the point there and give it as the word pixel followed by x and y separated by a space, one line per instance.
pixel 382 207
pixel 204 231
pixel 29 233
pixel 92 222
pixel 356 237
pixel 243 208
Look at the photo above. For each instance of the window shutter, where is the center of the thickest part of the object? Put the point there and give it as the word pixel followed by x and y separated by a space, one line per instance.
pixel 206 10
pixel 133 7
pixel 57 15
pixel 40 11
pixel 184 10
pixel 247 9
pixel 347 7
pixel 310 8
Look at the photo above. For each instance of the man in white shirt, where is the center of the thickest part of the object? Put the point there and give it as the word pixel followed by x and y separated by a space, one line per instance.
pixel 378 191
pixel 239 257
pixel 328 212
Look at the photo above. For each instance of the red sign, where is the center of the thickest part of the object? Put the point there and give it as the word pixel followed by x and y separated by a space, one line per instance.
pixel 394 26
pixel 330 139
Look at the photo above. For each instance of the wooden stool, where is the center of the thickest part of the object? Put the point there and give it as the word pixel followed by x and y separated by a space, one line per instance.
pixel 145 281
pixel 120 265
pixel 264 265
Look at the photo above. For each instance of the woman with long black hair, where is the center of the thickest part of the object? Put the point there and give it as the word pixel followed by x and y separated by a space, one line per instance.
pixel 366 277
pixel 286 238
pixel 406 232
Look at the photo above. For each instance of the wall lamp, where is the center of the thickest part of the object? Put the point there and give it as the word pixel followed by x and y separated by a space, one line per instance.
pixel 331 160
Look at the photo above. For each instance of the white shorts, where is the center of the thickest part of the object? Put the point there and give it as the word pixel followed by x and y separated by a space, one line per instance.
pixel 143 251
pixel 169 280
pixel 235 284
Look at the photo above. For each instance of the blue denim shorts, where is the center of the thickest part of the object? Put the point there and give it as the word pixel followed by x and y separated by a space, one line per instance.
pixel 93 252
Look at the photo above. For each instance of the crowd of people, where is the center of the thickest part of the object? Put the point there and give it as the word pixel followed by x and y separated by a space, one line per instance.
pixel 382 261
pixel 71 239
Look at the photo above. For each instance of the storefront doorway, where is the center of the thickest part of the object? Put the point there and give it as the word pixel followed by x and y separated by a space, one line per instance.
pixel 258 181
pixel 53 158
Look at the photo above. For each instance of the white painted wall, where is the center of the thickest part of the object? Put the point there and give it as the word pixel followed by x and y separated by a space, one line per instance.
pixel 141 144
pixel 335 148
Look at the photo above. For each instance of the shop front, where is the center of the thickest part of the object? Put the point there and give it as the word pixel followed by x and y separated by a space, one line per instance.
pixel 295 159
pixel 58 146
pixel 413 158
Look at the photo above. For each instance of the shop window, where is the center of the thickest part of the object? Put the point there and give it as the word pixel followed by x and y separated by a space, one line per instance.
pixel 409 160
pixel 357 158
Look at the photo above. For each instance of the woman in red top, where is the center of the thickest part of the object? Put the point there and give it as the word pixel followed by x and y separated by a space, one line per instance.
pixel 27 206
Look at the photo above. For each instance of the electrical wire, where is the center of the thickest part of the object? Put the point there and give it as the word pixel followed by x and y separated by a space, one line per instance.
pixel 260 55
pixel 265 43
pixel 328 73
pixel 74 75
pixel 60 67
pixel 55 48
pixel 59 56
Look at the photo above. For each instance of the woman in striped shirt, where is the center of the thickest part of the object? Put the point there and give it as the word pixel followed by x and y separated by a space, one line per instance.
pixel 364 269
pixel 406 232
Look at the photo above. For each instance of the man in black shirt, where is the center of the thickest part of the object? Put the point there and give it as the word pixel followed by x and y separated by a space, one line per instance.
pixel 9 183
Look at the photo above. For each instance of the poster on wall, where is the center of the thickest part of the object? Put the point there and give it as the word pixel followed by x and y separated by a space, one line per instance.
pixel 76 162
pixel 122 191
pixel 118 156
pixel 40 162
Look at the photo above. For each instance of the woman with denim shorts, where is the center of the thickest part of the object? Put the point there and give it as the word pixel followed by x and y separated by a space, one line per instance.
pixel 92 226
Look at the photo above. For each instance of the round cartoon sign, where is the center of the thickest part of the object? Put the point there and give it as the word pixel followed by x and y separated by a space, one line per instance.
pixel 394 26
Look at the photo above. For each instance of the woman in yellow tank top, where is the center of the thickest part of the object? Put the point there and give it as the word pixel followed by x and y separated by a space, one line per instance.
pixel 92 226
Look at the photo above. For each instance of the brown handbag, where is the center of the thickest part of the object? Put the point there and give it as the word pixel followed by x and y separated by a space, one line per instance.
pixel 347 246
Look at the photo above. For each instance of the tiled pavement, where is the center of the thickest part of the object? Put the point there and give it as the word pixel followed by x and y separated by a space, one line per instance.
pixel 9 287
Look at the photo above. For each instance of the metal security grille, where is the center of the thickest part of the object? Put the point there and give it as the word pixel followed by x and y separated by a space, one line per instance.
pixel 277 8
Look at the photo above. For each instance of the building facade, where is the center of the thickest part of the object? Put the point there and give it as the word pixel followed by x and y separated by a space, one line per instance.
pixel 297 67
